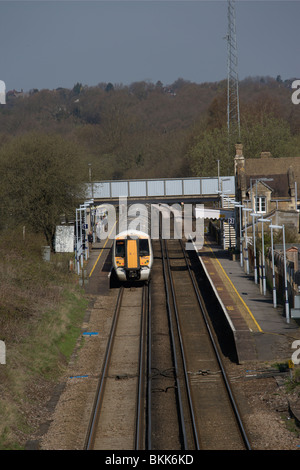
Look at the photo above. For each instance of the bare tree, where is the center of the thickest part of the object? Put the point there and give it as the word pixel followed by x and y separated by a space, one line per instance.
pixel 43 180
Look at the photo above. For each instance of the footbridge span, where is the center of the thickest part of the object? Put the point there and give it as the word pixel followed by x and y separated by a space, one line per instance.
pixel 195 189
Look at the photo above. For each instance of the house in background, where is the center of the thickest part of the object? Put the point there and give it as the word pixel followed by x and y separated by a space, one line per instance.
pixel 269 185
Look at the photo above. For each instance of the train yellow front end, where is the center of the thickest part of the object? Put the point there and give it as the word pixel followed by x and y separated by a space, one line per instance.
pixel 132 256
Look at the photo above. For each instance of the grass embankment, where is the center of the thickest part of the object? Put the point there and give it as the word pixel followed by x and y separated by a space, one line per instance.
pixel 41 312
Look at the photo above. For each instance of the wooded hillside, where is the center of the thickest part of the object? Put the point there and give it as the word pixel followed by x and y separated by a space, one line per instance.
pixel 151 130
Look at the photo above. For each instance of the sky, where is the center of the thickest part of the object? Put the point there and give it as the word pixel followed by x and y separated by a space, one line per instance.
pixel 51 44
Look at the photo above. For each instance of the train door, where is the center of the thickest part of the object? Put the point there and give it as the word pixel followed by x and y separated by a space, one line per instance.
pixel 132 254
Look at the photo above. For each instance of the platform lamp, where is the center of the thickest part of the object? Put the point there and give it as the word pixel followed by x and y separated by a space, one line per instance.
pixel 253 215
pixel 273 265
pixel 287 310
pixel 239 205
pixel 263 253
pixel 246 209
pixel 90 179
pixel 218 161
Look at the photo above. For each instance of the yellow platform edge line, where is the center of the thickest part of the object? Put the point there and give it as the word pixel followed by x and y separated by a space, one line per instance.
pixel 92 270
pixel 242 300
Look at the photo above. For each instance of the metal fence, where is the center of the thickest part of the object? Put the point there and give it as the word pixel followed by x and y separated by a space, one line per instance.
pixel 161 187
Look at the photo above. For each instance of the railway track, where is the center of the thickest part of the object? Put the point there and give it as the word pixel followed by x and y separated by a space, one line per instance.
pixel 163 385
pixel 208 413
pixel 118 416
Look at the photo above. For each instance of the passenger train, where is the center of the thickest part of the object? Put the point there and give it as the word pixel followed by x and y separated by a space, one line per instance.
pixel 132 255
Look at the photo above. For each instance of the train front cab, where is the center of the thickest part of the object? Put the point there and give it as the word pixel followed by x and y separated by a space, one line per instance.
pixel 132 259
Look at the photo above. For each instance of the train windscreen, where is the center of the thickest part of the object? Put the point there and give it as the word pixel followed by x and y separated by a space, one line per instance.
pixel 144 247
pixel 120 248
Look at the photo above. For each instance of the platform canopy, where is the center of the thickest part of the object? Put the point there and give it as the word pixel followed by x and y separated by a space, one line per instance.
pixel 214 214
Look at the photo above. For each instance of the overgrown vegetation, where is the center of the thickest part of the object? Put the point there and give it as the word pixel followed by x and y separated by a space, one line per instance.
pixel 41 312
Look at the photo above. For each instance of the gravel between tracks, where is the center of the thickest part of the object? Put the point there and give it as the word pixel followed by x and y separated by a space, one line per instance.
pixel 264 401
pixel 265 406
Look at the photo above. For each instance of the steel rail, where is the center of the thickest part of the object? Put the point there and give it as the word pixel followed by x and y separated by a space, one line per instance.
pixel 216 349
pixel 149 373
pixel 178 388
pixel 139 441
pixel 139 427
pixel 100 390
pixel 190 401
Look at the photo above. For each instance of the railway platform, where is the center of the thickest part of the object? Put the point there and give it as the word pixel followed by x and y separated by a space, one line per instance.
pixel 261 332
pixel 98 268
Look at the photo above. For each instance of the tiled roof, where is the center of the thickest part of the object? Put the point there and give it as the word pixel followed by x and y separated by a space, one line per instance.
pixel 279 185
pixel 275 168
pixel 272 166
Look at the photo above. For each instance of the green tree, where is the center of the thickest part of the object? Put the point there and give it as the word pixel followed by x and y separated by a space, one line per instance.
pixel 273 135
pixel 43 180
pixel 109 87
pixel 77 89
pixel 211 145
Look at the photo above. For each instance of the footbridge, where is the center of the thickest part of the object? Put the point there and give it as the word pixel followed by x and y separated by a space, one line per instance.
pixel 195 189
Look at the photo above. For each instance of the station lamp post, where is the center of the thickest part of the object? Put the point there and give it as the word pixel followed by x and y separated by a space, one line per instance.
pixel 263 253
pixel 218 161
pixel 239 206
pixel 254 215
pixel 90 179
pixel 246 209
pixel 273 265
pixel 287 310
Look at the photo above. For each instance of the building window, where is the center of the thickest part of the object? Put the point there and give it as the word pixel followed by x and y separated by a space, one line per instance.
pixel 261 204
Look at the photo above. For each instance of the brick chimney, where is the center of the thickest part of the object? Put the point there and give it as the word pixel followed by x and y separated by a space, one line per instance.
pixel 265 155
pixel 239 159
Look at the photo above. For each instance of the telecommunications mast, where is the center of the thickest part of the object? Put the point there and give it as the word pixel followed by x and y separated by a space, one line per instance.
pixel 233 106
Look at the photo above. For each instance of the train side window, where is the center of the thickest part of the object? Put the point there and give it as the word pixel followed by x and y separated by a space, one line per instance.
pixel 144 247
pixel 120 248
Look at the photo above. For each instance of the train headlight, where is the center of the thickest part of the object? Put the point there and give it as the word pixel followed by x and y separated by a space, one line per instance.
pixel 120 261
